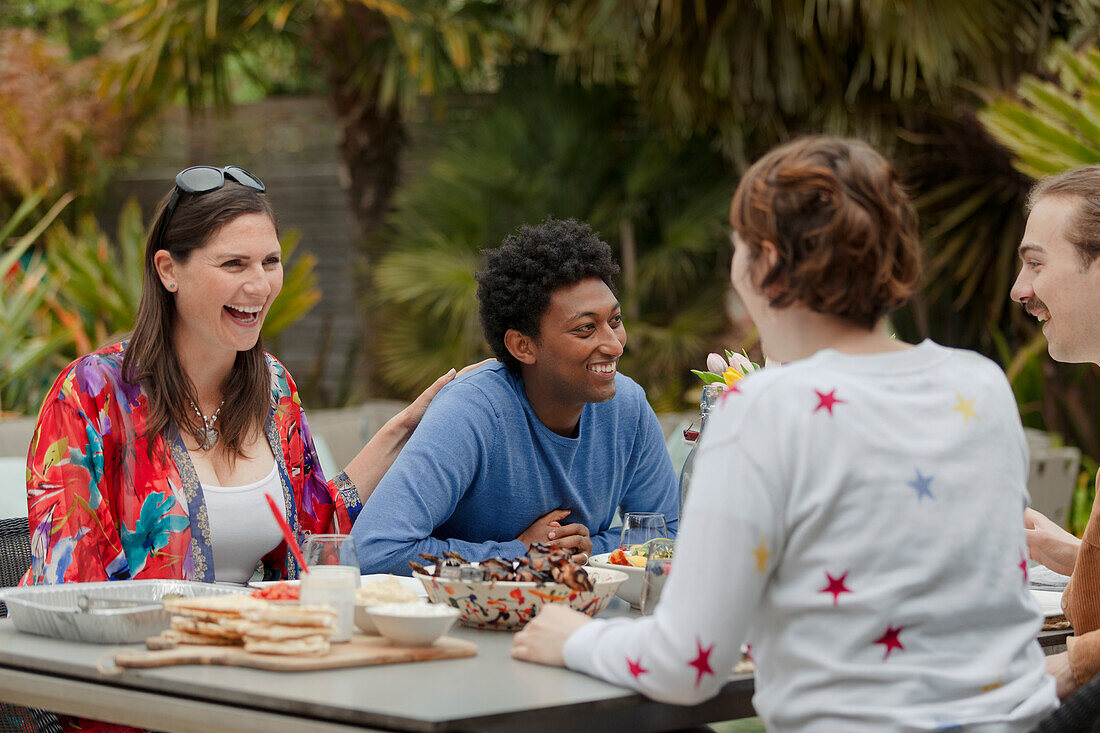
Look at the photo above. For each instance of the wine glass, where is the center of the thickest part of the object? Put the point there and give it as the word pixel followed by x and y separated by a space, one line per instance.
pixel 658 565
pixel 333 575
pixel 641 527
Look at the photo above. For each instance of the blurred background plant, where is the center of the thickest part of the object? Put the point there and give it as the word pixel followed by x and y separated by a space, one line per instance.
pixel 55 130
pixel 636 115
pixel 541 149
pixel 30 341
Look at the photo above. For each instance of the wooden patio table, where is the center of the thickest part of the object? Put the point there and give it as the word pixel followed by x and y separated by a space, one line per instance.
pixel 488 692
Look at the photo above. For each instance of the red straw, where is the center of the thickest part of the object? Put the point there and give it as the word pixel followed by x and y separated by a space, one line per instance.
pixel 287 534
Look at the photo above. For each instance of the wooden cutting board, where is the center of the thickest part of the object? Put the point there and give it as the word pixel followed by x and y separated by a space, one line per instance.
pixel 361 651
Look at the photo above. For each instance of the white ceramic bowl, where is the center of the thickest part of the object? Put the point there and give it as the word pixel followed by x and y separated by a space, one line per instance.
pixel 631 590
pixel 507 604
pixel 412 624
pixel 363 620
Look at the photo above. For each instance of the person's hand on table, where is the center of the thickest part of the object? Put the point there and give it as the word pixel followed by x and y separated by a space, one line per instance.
pixel 542 640
pixel 1049 544
pixel 573 537
pixel 540 529
pixel 1058 668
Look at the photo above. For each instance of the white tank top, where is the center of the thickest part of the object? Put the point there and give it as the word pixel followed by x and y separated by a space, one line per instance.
pixel 242 529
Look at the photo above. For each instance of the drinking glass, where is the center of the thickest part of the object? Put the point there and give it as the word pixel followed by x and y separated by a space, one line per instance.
pixel 333 576
pixel 658 565
pixel 641 527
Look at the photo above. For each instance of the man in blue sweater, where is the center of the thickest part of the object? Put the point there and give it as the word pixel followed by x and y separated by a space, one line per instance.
pixel 540 446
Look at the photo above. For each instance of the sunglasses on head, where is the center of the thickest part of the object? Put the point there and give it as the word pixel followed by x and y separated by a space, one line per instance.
pixel 200 179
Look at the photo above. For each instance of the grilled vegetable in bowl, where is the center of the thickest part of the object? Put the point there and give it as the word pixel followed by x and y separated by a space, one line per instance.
pixel 503 594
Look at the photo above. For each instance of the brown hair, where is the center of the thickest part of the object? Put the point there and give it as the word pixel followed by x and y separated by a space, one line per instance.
pixel 151 359
pixel 845 230
pixel 1082 229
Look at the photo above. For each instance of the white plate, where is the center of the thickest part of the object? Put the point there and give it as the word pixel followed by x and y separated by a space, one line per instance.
pixel 631 590
pixel 1049 600
pixel 411 583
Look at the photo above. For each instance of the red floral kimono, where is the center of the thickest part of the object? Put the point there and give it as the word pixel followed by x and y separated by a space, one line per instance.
pixel 101 509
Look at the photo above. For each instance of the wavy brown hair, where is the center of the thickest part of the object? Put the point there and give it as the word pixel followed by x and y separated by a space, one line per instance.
pixel 1082 228
pixel 151 359
pixel 844 228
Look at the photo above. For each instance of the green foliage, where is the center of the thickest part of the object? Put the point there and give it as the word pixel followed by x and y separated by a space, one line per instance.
pixel 758 71
pixel 1083 496
pixel 1052 126
pixel 29 341
pixel 206 51
pixel 300 292
pixel 541 150
pixel 99 280
pixel 79 25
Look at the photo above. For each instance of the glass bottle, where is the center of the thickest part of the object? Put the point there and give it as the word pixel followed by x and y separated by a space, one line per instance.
pixel 711 393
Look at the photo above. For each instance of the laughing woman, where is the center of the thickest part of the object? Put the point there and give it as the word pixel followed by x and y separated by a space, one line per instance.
pixel 151 457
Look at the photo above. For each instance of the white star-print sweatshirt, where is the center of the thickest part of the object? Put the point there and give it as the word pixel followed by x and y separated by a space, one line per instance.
pixel 857 519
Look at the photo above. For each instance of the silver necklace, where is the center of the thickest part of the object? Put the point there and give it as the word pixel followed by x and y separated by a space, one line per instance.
pixel 207 436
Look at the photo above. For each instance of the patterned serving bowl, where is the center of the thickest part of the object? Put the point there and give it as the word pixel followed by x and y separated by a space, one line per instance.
pixel 506 604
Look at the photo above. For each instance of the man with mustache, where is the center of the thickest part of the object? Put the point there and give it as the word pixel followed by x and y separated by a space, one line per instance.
pixel 1059 284
pixel 541 446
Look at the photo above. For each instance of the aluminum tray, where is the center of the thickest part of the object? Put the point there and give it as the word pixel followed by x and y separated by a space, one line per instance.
pixel 51 610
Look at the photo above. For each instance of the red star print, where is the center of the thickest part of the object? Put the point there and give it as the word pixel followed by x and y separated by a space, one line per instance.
pixel 826 400
pixel 836 586
pixel 890 640
pixel 636 668
pixel 1023 566
pixel 701 662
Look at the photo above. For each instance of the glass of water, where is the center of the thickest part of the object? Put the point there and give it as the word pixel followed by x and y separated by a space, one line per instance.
pixel 333 576
pixel 641 527
pixel 658 565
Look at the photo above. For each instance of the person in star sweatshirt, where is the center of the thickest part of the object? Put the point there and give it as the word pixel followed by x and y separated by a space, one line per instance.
pixel 854 513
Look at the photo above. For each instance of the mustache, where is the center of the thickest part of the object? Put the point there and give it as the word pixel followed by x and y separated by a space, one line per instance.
pixel 1034 307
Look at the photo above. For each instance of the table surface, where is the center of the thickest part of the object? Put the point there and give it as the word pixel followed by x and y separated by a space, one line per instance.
pixel 490 691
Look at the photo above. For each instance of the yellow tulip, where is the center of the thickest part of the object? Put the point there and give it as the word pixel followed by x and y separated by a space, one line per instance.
pixel 732 376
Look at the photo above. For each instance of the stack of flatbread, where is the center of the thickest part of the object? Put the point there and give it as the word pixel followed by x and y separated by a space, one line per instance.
pixel 260 626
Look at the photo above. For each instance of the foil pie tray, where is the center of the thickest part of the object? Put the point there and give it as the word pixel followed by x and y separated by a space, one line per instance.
pixel 55 610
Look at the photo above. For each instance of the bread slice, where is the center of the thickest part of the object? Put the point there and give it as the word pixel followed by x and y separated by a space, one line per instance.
pixel 292 615
pixel 309 645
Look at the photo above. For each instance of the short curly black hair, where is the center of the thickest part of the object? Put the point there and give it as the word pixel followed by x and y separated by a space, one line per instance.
pixel 514 288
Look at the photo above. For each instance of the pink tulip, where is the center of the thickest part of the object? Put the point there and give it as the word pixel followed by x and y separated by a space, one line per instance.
pixel 741 363
pixel 716 364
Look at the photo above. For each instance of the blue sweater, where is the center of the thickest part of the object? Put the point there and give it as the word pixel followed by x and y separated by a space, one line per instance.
pixel 481 467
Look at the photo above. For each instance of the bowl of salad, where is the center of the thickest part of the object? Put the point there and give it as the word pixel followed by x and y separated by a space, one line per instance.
pixel 630 560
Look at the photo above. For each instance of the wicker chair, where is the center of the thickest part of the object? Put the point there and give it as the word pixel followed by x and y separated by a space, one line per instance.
pixel 1080 713
pixel 15 553
pixel 15 558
